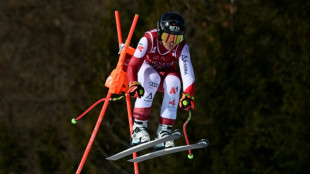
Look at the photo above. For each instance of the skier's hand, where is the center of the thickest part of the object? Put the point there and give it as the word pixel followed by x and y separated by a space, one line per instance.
pixel 135 89
pixel 187 102
pixel 121 47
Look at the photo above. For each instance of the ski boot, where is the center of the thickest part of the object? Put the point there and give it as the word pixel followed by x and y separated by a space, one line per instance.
pixel 163 131
pixel 139 134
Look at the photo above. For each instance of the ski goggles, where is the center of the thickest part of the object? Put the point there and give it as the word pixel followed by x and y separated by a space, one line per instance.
pixel 176 39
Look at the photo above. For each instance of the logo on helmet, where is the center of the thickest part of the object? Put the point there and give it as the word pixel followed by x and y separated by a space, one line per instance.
pixel 174 28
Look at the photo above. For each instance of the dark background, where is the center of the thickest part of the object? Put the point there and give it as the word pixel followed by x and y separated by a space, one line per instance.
pixel 251 60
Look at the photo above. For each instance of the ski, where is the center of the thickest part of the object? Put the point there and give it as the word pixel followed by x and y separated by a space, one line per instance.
pixel 200 144
pixel 174 135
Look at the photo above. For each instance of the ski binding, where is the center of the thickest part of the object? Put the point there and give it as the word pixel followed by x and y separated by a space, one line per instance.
pixel 200 144
pixel 174 135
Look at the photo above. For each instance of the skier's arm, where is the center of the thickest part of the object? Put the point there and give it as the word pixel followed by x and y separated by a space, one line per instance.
pixel 188 79
pixel 137 60
pixel 187 72
pixel 135 89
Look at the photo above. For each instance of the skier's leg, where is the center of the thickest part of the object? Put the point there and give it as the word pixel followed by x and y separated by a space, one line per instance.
pixel 150 80
pixel 172 87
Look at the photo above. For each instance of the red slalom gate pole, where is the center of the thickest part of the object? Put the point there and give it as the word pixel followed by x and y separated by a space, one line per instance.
pixel 120 41
pixel 134 155
pixel 113 84
pixel 93 135
pixel 118 28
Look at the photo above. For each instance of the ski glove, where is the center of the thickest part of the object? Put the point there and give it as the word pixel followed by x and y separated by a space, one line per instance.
pixel 135 89
pixel 187 102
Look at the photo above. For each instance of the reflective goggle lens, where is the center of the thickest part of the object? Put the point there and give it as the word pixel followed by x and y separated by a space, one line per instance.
pixel 166 37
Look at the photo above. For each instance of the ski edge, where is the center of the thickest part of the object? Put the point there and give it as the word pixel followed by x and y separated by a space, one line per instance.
pixel 174 135
pixel 200 144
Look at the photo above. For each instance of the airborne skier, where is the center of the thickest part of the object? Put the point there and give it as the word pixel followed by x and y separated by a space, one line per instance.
pixel 152 68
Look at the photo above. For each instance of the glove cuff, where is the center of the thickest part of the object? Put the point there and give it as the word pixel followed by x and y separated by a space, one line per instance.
pixel 134 83
pixel 187 95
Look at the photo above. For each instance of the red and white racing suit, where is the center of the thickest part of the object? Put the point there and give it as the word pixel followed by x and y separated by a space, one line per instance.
pixel 154 67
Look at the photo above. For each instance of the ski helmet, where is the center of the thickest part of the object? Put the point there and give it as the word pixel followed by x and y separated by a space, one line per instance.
pixel 171 23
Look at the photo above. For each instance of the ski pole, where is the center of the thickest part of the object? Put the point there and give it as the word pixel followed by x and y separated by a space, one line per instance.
pixel 85 112
pixel 120 41
pixel 190 155
pixel 73 121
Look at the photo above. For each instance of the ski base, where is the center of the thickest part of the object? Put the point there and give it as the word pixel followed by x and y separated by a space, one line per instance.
pixel 174 135
pixel 200 144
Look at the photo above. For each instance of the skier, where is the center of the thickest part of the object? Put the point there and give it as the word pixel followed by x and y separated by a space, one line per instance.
pixel 152 68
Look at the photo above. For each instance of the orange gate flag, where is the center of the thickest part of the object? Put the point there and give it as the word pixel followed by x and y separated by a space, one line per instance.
pixel 117 81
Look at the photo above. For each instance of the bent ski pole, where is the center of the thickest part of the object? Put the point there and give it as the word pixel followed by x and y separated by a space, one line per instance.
pixel 73 121
pixel 190 155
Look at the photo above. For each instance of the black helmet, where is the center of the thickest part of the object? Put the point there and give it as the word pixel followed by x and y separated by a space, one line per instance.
pixel 172 23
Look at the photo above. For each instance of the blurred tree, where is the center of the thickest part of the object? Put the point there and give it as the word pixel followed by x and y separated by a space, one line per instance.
pixel 251 60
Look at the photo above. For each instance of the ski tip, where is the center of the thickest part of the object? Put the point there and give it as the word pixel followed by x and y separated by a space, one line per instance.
pixel 204 142
pixel 110 158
